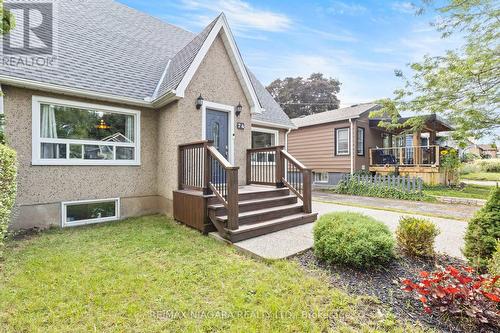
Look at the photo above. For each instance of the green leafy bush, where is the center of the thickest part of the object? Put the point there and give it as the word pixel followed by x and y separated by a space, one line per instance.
pixel 8 172
pixel 352 239
pixel 494 265
pixel 483 231
pixel 492 165
pixel 352 186
pixel 416 236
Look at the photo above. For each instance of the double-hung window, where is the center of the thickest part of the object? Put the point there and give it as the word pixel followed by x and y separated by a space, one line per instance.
pixel 342 141
pixel 74 133
pixel 361 142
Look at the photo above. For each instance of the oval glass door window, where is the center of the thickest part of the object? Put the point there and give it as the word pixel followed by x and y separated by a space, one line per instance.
pixel 215 134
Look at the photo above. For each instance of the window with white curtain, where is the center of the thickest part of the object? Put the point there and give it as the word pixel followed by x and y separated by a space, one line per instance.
pixel 342 141
pixel 74 133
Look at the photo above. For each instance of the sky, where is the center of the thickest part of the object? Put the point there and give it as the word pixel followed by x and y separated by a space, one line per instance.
pixel 360 43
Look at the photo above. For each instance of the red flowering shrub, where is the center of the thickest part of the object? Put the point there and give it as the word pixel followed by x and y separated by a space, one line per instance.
pixel 458 291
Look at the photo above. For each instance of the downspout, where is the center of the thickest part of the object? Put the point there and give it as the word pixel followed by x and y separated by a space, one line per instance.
pixel 351 148
pixel 286 138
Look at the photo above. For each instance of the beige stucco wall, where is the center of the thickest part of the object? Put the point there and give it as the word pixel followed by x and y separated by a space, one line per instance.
pixel 49 185
pixel 181 122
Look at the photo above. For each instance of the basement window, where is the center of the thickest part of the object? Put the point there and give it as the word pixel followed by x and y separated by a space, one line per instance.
pixel 321 177
pixel 90 211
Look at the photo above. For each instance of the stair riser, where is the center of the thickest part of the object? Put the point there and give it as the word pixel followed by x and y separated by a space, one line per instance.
pixel 269 215
pixel 261 205
pixel 255 195
pixel 268 229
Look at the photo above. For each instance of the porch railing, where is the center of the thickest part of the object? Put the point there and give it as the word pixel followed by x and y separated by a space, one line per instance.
pixel 411 156
pixel 202 167
pixel 276 166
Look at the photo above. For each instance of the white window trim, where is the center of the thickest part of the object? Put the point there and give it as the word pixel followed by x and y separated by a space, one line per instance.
pixel 337 142
pixel 37 140
pixel 321 181
pixel 276 141
pixel 268 130
pixel 64 205
pixel 224 108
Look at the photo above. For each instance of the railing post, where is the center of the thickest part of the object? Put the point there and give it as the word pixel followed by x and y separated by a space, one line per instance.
pixel 206 169
pixel 370 151
pixel 438 156
pixel 232 199
pixel 307 183
pixel 249 167
pixel 401 156
pixel 279 166
pixel 180 168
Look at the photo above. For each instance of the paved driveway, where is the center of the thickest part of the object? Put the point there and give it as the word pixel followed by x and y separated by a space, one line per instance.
pixel 285 243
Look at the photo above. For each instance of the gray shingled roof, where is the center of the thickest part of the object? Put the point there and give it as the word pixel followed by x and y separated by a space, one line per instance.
pixel 107 47
pixel 334 115
pixel 183 59
pixel 273 112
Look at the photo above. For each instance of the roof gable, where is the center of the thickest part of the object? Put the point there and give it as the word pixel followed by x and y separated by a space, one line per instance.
pixel 183 66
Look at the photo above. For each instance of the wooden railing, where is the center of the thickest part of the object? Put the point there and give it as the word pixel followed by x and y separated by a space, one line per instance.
pixel 412 155
pixel 202 167
pixel 275 166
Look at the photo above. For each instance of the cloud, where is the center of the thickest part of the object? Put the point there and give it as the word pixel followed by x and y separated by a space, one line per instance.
pixel 404 7
pixel 341 36
pixel 242 15
pixel 340 7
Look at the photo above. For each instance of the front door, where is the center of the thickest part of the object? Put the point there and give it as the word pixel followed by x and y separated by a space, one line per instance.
pixel 217 130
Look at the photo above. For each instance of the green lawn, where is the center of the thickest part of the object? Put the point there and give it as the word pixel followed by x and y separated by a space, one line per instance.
pixel 149 274
pixel 469 191
pixel 494 176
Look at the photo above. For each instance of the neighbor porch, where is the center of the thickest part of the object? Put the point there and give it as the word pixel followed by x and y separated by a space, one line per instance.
pixel 415 155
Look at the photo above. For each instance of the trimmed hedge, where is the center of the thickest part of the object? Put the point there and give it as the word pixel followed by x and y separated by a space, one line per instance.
pixel 8 173
pixel 416 236
pixel 352 186
pixel 353 239
pixel 483 232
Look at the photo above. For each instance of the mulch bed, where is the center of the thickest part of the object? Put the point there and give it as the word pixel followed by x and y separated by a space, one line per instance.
pixel 384 284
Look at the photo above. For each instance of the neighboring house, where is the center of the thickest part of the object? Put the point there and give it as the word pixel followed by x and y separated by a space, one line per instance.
pixel 483 151
pixel 342 141
pixel 103 135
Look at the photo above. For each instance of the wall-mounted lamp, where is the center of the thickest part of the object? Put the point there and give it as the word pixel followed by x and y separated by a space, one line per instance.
pixel 199 102
pixel 238 108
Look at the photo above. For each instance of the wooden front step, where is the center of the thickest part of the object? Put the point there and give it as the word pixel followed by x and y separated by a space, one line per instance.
pixel 262 210
pixel 258 229
pixel 256 204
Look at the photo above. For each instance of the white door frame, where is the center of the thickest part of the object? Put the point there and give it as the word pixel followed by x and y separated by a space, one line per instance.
pixel 230 132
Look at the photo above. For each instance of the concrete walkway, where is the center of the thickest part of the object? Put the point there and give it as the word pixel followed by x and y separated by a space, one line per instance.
pixel 452 211
pixel 286 243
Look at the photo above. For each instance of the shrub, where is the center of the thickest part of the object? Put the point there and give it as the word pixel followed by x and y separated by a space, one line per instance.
pixel 458 291
pixel 416 236
pixel 354 187
pixel 483 231
pixel 352 239
pixel 8 173
pixel 492 165
pixel 494 265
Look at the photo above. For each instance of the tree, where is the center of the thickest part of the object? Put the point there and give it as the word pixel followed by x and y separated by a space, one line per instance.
pixel 298 96
pixel 463 85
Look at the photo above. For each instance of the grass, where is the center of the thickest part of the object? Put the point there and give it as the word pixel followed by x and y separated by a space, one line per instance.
pixel 469 191
pixel 493 176
pixel 149 274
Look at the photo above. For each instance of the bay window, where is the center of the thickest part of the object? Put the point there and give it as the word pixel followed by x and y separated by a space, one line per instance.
pixel 74 133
